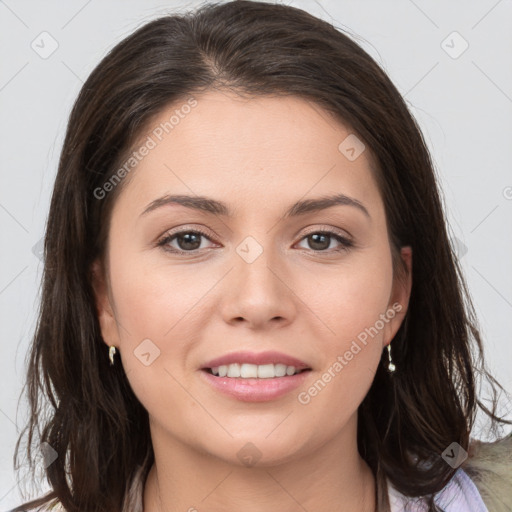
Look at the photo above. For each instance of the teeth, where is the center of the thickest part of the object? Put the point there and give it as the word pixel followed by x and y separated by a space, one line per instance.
pixel 252 371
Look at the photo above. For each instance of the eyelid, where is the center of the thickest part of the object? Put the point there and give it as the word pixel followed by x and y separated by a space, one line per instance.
pixel 328 229
pixel 208 233
pixel 164 239
pixel 345 240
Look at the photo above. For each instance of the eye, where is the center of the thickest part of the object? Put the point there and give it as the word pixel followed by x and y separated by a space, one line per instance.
pixel 319 241
pixel 188 240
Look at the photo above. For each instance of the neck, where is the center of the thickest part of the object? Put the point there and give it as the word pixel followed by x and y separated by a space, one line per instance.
pixel 333 477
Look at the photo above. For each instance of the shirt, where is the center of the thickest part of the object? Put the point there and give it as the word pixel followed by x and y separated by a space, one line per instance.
pixel 458 495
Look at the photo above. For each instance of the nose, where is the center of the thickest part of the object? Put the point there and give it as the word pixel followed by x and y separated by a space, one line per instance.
pixel 259 294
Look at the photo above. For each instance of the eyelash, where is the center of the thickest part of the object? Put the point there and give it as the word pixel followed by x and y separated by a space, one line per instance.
pixel 346 243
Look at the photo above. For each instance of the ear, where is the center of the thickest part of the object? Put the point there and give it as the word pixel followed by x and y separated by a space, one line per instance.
pixel 104 310
pixel 400 295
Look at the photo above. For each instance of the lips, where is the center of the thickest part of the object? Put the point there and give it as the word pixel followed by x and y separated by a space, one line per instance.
pixel 255 390
pixel 261 358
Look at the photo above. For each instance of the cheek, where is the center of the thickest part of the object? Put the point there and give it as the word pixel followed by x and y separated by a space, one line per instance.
pixel 351 305
pixel 151 306
pixel 151 299
pixel 350 302
pixel 352 298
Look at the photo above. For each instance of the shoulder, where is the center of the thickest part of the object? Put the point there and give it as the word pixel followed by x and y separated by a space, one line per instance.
pixel 483 483
pixel 55 507
pixel 459 495
pixel 489 466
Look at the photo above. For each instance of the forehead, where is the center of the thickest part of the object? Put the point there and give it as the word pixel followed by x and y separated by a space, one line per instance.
pixel 276 149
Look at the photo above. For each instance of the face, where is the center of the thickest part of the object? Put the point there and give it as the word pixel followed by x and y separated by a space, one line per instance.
pixel 188 283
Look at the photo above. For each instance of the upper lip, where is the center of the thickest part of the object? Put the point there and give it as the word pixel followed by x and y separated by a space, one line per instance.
pixel 258 358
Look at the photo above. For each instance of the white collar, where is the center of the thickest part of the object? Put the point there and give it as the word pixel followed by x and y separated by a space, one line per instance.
pixel 459 495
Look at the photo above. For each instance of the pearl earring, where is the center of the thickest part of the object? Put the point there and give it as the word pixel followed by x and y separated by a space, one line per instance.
pixel 111 353
pixel 391 366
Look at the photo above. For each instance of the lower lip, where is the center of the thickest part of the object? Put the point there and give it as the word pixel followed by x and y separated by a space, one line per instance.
pixel 255 390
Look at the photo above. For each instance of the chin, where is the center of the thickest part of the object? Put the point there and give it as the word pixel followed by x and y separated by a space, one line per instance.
pixel 257 451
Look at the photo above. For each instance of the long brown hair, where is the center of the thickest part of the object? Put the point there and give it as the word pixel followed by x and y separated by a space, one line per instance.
pixel 92 419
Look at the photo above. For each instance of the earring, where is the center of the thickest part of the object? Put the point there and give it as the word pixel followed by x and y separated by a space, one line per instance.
pixel 111 353
pixel 391 366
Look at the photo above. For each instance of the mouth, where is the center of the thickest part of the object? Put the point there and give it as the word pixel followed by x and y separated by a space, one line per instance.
pixel 254 371
pixel 255 376
pixel 255 383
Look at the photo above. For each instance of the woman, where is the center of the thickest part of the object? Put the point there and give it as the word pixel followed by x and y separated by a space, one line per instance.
pixel 250 300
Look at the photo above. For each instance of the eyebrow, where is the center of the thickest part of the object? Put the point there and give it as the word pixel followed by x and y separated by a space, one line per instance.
pixel 215 207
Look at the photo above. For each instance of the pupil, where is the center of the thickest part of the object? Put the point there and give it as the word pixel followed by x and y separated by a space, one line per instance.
pixel 188 238
pixel 317 244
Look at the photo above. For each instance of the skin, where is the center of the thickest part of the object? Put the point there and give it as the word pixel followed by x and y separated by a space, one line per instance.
pixel 259 156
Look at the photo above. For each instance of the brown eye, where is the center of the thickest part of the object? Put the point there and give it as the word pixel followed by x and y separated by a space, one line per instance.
pixel 320 241
pixel 187 241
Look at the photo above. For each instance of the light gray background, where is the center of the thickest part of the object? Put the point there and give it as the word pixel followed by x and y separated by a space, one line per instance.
pixel 463 105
